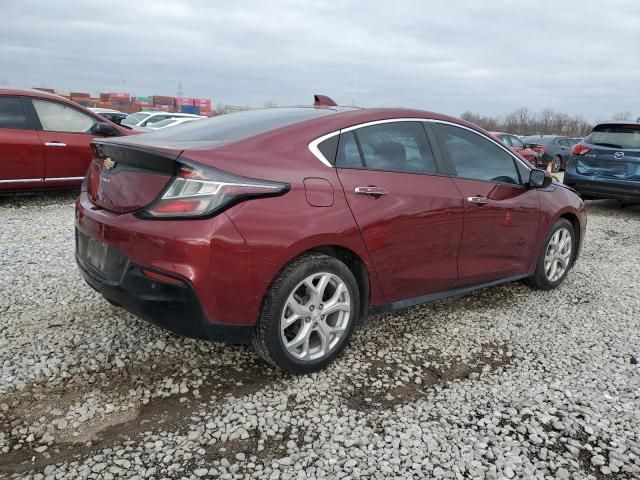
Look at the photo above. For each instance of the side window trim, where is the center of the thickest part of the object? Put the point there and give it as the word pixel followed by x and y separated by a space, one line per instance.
pixel 31 113
pixel 313 145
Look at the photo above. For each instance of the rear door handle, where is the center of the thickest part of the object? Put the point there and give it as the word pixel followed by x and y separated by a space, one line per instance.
pixel 55 144
pixel 371 190
pixel 478 200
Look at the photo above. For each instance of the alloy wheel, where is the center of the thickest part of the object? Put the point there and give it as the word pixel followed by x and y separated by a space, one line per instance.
pixel 315 316
pixel 558 255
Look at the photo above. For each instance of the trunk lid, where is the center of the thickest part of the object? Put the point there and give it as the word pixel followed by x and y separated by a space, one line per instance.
pixel 124 178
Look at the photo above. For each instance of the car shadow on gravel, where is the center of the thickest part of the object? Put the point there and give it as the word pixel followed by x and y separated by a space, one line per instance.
pixel 167 411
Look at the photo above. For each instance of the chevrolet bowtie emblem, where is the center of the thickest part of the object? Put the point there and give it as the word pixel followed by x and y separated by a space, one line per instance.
pixel 108 164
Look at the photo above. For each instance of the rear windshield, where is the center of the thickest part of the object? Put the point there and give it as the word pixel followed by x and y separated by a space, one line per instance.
pixel 135 118
pixel 236 126
pixel 615 136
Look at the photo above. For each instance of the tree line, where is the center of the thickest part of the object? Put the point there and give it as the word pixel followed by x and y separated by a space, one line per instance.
pixel 525 122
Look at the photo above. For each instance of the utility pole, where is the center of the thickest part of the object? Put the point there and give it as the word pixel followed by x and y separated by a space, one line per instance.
pixel 179 88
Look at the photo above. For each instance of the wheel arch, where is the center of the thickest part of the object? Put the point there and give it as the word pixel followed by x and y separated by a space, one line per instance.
pixel 575 223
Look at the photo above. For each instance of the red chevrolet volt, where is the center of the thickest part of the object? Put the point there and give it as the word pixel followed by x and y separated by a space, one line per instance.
pixel 286 227
pixel 45 140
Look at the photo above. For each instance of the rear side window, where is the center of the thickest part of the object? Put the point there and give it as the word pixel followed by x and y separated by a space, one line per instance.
pixel 348 153
pixel 240 125
pixel 396 147
pixel 12 114
pixel 329 148
pixel 615 136
pixel 475 157
pixel 57 117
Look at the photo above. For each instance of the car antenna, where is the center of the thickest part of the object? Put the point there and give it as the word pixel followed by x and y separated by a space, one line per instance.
pixel 323 101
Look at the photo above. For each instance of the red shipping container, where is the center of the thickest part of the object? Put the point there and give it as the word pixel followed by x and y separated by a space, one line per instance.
pixel 79 95
pixel 184 101
pixel 202 102
pixel 119 95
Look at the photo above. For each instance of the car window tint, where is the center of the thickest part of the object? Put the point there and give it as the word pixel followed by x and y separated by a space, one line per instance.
pixel 12 114
pixel 57 117
pixel 396 146
pixel 348 154
pixel 505 139
pixel 615 136
pixel 156 119
pixel 476 157
pixel 516 142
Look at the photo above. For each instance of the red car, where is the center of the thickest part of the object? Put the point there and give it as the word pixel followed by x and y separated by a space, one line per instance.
pixel 517 146
pixel 45 140
pixel 286 227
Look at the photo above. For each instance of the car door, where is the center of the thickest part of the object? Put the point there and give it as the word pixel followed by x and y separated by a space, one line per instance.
pixel 502 215
pixel 21 156
pixel 65 134
pixel 410 215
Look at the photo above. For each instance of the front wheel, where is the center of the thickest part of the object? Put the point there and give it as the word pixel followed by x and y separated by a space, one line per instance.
pixel 308 314
pixel 557 256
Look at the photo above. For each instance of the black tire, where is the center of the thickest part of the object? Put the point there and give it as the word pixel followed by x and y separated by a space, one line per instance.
pixel 267 339
pixel 539 280
pixel 556 164
pixel 115 304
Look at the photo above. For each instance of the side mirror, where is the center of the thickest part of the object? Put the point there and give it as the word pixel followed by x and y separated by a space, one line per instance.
pixel 540 179
pixel 105 129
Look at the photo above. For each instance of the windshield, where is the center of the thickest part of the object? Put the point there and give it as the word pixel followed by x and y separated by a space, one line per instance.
pixel 135 118
pixel 615 136
pixel 236 126
pixel 170 121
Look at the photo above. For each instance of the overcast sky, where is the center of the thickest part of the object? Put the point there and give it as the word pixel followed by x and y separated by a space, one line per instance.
pixel 491 56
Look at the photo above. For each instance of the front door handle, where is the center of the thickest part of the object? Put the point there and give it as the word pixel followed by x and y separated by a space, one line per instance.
pixel 55 144
pixel 371 190
pixel 478 200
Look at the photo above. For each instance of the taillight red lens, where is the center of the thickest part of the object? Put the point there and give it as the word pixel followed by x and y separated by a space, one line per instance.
pixel 199 191
pixel 580 149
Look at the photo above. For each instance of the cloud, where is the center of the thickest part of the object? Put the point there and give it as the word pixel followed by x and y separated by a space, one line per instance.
pixel 491 57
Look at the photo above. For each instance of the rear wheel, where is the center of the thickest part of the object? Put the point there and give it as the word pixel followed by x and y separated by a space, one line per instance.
pixel 308 314
pixel 556 164
pixel 557 256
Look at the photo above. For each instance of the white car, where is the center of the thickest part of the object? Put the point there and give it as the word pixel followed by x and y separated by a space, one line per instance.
pixel 144 119
pixel 116 116
pixel 170 122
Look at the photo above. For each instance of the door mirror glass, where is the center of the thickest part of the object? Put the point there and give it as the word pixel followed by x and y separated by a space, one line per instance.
pixel 539 179
pixel 104 129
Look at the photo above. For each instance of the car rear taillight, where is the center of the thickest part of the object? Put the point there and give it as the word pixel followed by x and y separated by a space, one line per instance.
pixel 580 149
pixel 199 191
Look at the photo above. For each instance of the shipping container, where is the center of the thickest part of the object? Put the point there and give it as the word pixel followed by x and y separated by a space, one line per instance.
pixel 149 100
pixel 162 100
pixel 190 109
pixel 80 95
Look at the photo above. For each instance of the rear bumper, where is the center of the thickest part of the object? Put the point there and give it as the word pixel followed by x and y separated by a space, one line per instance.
pixel 174 307
pixel 592 188
pixel 222 281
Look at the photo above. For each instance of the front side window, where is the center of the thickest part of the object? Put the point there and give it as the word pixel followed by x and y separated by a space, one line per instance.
pixel 155 119
pixel 396 147
pixel 12 114
pixel 475 157
pixel 58 117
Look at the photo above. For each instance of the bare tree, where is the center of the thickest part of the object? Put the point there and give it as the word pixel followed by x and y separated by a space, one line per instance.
pixel 621 116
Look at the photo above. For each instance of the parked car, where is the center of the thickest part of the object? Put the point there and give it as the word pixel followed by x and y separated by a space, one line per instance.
pixel 285 227
pixel 170 122
pixel 518 146
pixel 606 164
pixel 145 119
pixel 115 116
pixel 551 148
pixel 45 140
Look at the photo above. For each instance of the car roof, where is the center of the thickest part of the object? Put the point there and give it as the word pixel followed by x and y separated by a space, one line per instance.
pixel 31 92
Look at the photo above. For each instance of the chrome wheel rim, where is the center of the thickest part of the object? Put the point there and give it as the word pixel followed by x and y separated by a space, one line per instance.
pixel 315 316
pixel 556 164
pixel 558 255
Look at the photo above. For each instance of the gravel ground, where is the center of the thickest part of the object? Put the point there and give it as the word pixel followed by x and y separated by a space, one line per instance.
pixel 505 383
